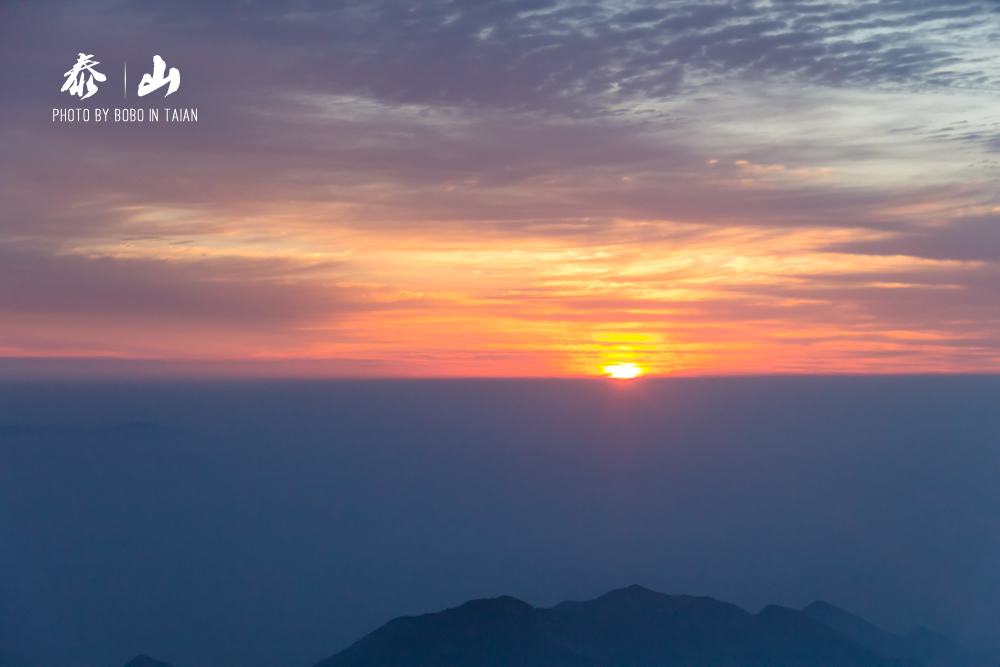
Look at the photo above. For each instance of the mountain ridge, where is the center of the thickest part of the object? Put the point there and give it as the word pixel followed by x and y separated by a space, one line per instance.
pixel 638 627
pixel 145 661
pixel 631 626
pixel 922 645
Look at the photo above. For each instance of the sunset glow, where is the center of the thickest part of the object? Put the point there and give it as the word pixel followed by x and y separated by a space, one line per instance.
pixel 346 221
pixel 623 371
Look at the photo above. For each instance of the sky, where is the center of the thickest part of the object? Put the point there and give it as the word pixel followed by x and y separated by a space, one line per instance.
pixel 524 188
pixel 273 523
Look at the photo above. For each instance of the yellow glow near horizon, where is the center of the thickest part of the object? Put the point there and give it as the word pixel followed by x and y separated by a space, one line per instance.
pixel 335 298
pixel 623 371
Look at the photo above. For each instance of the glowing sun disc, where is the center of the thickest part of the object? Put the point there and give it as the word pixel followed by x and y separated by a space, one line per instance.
pixel 623 371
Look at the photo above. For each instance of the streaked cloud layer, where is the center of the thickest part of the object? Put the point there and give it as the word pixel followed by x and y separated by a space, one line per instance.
pixel 512 188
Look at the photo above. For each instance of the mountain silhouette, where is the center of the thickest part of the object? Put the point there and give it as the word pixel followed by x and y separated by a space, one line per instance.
pixel 922 645
pixel 146 661
pixel 627 627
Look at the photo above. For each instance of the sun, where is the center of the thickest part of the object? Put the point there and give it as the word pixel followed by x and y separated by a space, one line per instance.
pixel 623 371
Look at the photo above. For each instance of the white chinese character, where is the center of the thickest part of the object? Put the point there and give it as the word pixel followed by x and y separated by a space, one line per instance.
pixel 151 83
pixel 75 77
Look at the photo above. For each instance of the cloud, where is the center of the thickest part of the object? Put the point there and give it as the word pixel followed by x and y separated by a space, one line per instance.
pixel 565 57
pixel 467 183
pixel 970 238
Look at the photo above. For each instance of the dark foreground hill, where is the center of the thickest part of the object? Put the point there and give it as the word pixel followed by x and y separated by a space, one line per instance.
pixel 628 627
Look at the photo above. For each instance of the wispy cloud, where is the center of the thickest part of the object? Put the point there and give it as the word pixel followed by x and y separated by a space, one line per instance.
pixel 513 188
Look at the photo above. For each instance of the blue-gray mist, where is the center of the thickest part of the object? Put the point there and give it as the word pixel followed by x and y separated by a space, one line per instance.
pixel 274 523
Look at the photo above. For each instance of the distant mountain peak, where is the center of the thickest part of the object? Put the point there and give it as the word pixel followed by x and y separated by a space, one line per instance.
pixel 820 609
pixel 921 645
pixel 635 592
pixel 146 661
pixel 505 604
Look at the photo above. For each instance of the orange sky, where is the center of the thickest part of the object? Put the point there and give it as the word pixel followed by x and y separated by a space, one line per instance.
pixel 743 223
